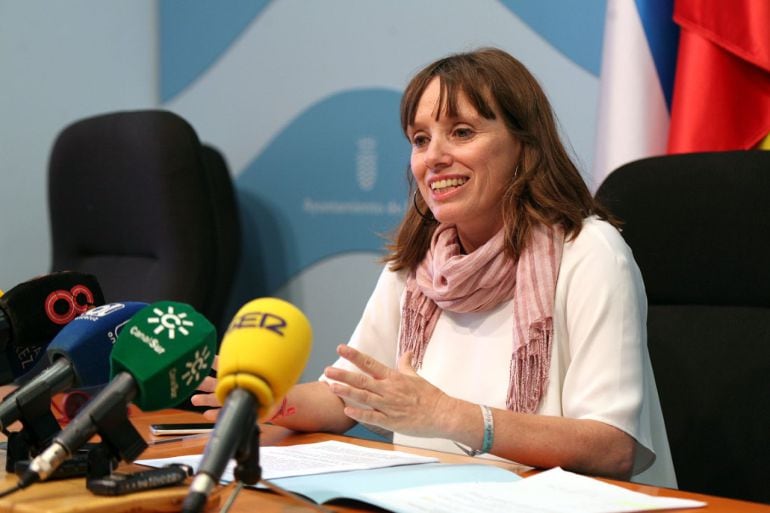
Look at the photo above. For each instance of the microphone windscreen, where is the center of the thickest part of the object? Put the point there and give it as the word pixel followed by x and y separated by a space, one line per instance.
pixel 87 341
pixel 38 309
pixel 168 348
pixel 264 351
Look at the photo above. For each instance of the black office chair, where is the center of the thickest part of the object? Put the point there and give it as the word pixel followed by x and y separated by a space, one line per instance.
pixel 136 200
pixel 699 228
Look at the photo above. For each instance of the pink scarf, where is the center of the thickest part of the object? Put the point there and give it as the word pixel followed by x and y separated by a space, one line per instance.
pixel 449 280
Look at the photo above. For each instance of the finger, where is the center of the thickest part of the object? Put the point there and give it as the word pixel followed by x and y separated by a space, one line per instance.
pixel 366 416
pixel 353 379
pixel 211 414
pixel 364 362
pixel 354 394
pixel 208 384
pixel 215 365
pixel 205 400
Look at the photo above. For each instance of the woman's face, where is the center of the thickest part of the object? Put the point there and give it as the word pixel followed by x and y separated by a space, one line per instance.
pixel 462 165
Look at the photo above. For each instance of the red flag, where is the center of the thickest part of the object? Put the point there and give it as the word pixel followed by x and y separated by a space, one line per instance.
pixel 721 95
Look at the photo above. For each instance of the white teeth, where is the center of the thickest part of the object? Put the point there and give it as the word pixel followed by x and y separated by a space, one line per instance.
pixel 449 182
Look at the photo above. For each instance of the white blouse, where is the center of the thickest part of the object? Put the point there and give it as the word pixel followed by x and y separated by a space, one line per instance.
pixel 600 366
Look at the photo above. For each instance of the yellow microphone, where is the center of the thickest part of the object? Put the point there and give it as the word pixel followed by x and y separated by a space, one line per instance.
pixel 263 353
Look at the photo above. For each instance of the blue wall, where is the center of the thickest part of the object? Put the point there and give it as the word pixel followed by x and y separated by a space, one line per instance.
pixel 300 96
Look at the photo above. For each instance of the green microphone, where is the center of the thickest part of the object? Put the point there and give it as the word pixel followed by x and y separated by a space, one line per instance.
pixel 160 357
pixel 168 348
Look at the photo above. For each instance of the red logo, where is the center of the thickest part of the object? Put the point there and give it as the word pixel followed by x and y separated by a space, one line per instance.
pixel 61 306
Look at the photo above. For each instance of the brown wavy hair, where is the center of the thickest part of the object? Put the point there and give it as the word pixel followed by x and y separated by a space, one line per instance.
pixel 546 189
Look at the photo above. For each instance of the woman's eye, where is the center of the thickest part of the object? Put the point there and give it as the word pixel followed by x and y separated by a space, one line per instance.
pixel 463 133
pixel 419 140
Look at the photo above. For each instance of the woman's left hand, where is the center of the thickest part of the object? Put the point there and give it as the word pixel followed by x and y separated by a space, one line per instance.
pixel 400 400
pixel 206 396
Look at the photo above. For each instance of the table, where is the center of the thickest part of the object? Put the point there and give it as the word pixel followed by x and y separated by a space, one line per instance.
pixel 71 496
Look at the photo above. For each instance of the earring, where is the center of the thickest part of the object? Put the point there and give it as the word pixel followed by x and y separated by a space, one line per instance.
pixel 424 216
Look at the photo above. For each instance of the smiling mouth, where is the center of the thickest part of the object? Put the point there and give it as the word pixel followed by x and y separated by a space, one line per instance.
pixel 447 184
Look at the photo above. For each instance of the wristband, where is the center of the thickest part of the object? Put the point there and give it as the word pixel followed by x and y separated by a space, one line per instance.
pixel 489 434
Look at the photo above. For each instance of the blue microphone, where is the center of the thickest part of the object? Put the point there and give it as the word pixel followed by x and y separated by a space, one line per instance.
pixel 79 357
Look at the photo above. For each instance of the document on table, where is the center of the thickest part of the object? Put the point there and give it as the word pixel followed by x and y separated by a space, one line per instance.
pixel 307 459
pixel 332 470
pixel 364 485
pixel 552 491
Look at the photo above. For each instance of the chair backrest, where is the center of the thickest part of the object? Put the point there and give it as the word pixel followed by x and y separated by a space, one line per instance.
pixel 136 200
pixel 699 228
pixel 227 233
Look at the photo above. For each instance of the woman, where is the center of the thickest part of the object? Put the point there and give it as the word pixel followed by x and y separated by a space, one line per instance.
pixel 510 319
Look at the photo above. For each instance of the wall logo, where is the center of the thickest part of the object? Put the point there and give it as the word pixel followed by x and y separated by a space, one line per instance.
pixel 170 321
pixel 194 368
pixel 366 163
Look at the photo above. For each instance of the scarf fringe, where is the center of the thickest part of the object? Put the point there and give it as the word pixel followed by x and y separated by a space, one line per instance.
pixel 416 322
pixel 529 368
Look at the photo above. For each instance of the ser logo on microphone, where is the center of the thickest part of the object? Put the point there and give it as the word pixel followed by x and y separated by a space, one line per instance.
pixel 61 306
pixel 262 320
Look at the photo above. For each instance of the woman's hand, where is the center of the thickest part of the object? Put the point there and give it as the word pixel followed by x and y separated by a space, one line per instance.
pixel 208 398
pixel 400 400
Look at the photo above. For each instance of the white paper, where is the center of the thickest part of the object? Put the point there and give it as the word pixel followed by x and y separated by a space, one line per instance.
pixel 307 459
pixel 552 491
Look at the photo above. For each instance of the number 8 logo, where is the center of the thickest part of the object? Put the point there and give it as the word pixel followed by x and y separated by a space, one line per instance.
pixel 77 300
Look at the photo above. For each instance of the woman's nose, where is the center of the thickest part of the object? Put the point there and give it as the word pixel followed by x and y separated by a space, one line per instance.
pixel 437 154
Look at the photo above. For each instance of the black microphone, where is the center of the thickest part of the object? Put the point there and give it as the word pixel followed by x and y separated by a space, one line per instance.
pixel 160 357
pixel 33 312
pixel 262 355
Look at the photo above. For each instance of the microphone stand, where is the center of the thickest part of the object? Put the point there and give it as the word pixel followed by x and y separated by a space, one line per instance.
pixel 38 426
pixel 247 469
pixel 106 415
pixel 120 439
pixel 248 472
